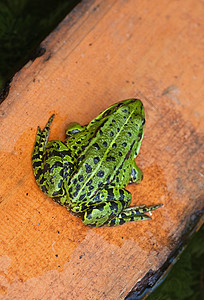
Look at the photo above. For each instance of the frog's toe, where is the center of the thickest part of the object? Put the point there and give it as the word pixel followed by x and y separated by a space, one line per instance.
pixel 131 214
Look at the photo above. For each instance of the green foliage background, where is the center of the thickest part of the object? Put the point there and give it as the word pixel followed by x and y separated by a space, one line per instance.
pixel 23 25
pixel 186 278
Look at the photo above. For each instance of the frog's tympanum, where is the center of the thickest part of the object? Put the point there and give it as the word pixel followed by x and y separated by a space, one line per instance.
pixel 88 172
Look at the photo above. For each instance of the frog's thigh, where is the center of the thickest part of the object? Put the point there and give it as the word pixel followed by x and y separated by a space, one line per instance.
pixel 136 174
pixel 108 204
pixel 39 163
pixel 51 169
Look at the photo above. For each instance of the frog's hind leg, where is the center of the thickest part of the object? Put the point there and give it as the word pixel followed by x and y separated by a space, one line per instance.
pixel 105 205
pixel 39 147
pixel 136 174
pixel 41 140
pixel 136 213
pixel 109 207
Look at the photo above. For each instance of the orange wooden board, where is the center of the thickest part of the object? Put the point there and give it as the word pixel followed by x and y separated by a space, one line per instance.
pixel 103 52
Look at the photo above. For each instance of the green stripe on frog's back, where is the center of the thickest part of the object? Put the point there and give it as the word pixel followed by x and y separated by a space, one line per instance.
pixel 79 141
pixel 119 134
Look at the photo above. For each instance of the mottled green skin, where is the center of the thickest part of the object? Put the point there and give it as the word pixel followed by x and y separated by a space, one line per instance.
pixel 88 173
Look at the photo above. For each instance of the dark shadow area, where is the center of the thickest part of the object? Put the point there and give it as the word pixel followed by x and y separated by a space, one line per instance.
pixel 23 25
pixel 186 278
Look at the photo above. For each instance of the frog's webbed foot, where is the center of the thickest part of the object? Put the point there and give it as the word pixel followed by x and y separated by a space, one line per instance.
pixel 136 174
pixel 41 140
pixel 136 213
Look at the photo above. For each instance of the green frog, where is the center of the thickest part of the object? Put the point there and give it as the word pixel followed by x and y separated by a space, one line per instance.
pixel 88 172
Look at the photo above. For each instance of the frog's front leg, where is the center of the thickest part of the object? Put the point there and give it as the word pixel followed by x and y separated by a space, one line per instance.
pixel 74 128
pixel 136 174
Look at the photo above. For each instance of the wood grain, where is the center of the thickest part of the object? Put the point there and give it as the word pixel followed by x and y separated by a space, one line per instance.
pixel 103 52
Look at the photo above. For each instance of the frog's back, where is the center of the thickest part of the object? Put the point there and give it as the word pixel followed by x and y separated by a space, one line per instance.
pixel 115 141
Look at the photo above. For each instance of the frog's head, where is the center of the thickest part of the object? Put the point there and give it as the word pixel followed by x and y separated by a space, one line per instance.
pixel 124 106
